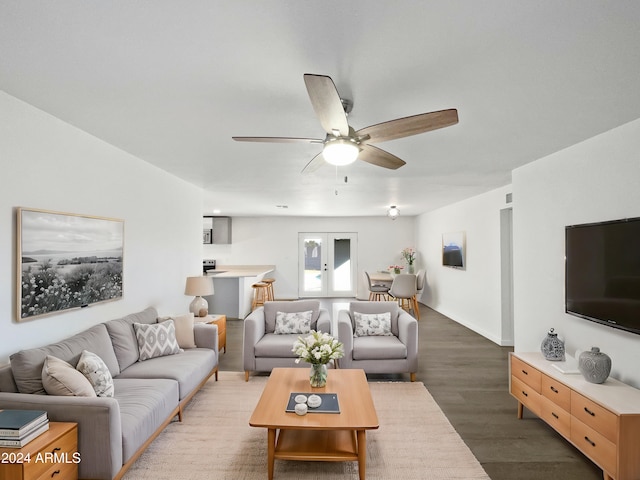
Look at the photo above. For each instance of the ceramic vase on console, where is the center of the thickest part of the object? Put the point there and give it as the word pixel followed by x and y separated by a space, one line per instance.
pixel 318 375
pixel 552 347
pixel 595 366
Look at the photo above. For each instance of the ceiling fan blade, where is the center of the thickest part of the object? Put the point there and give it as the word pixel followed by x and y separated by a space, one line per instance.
pixel 379 157
pixel 313 165
pixel 278 139
pixel 407 126
pixel 327 104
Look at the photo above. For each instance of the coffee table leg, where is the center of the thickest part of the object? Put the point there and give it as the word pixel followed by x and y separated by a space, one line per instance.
pixel 362 453
pixel 271 450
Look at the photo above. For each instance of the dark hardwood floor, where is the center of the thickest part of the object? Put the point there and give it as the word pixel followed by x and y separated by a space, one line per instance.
pixel 468 376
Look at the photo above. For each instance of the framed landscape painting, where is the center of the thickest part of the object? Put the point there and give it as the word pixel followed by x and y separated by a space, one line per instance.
pixel 66 261
pixel 453 250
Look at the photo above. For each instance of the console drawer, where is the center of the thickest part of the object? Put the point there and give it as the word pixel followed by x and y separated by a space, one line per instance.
pixel 593 415
pixel 555 416
pixel 557 392
pixel 526 395
pixel 525 373
pixel 595 446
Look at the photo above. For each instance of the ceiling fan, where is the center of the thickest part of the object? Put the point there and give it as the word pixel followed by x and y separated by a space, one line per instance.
pixel 343 145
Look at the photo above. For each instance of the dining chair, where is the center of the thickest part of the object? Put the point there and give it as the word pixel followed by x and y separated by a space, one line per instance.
pixel 404 289
pixel 377 292
pixel 420 283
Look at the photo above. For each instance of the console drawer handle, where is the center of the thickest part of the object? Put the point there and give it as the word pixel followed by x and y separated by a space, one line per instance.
pixel 525 372
pixel 553 389
pixel 555 416
pixel 590 441
pixel 589 412
pixel 57 449
pixel 525 393
pixel 57 472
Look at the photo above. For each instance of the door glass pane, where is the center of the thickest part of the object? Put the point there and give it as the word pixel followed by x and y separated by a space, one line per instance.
pixel 313 265
pixel 341 264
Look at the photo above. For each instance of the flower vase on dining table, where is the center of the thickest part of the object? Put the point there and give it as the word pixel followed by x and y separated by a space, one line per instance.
pixel 411 268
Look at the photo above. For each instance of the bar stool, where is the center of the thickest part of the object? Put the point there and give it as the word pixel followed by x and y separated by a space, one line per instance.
pixel 269 282
pixel 260 294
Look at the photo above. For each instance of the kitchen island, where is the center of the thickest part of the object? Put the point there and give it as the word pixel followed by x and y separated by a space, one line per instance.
pixel 232 284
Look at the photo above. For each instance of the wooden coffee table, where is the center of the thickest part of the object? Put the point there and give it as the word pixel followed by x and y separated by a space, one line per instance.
pixel 327 437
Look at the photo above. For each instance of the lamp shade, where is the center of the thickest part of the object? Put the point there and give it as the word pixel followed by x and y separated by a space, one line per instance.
pixel 340 152
pixel 199 286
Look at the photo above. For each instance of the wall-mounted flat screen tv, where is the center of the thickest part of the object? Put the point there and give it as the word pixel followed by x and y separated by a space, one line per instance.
pixel 602 273
pixel 453 249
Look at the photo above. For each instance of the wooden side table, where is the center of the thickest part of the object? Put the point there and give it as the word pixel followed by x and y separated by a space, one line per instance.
pixel 221 322
pixel 54 454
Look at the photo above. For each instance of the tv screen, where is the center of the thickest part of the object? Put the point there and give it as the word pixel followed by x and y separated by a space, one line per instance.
pixel 453 249
pixel 602 273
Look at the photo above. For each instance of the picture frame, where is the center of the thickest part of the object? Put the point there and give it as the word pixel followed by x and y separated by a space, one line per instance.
pixel 453 250
pixel 66 261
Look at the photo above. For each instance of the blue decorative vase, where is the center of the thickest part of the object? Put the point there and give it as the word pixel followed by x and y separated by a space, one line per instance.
pixel 552 347
pixel 595 366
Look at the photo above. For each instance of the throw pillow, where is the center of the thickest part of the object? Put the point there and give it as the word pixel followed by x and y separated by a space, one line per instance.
pixel 156 339
pixel 184 330
pixel 370 324
pixel 97 372
pixel 293 322
pixel 60 378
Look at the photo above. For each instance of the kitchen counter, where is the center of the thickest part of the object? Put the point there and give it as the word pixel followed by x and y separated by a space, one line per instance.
pixel 233 294
pixel 238 271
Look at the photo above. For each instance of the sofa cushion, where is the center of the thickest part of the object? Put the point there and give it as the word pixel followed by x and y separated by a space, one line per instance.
pixel 184 329
pixel 378 348
pixel 123 338
pixel 188 368
pixel 144 405
pixel 60 378
pixel 273 345
pixel 293 322
pixel 26 365
pixel 371 324
pixel 157 340
pixel 96 371
pixel 271 308
pixel 376 307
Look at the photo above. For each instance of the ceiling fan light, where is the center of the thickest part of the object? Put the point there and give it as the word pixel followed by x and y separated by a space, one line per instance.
pixel 393 212
pixel 340 151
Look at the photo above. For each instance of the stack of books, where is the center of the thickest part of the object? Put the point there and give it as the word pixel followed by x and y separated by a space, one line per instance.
pixel 19 427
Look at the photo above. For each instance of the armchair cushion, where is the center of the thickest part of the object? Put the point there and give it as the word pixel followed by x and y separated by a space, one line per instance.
pixel 378 348
pixel 376 307
pixel 273 307
pixel 276 346
pixel 372 324
pixel 293 322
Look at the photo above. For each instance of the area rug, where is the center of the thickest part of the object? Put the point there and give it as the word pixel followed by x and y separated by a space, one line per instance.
pixel 415 440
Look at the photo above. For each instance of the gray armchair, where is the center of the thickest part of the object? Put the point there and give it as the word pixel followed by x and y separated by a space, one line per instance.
pixel 263 349
pixel 395 353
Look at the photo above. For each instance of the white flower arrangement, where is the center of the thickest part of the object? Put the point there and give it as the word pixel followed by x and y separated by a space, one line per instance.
pixel 317 348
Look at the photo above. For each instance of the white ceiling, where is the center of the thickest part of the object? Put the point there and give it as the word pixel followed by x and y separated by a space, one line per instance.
pixel 172 81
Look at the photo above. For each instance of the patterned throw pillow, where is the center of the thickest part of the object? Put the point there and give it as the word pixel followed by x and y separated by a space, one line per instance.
pixel 294 322
pixel 97 372
pixel 156 339
pixel 370 324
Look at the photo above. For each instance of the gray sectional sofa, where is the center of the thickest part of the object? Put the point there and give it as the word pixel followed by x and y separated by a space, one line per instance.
pixel 114 431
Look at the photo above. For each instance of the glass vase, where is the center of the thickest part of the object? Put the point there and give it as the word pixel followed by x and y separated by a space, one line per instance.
pixel 318 375
pixel 411 268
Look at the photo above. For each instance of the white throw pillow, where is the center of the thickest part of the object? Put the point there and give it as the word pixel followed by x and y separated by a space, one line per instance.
pixel 60 378
pixel 184 330
pixel 156 339
pixel 97 372
pixel 371 324
pixel 293 322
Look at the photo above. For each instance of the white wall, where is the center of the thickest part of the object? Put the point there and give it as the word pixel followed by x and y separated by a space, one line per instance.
pixel 593 181
pixel 274 241
pixel 470 296
pixel 48 164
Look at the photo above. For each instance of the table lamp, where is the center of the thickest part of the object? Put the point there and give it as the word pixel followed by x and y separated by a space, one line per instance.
pixel 199 286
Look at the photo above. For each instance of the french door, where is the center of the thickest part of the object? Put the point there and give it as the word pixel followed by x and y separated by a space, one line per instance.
pixel 327 264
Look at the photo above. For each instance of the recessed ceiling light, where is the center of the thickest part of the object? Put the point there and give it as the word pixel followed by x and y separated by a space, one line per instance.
pixel 282 206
